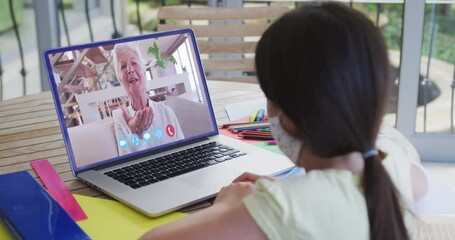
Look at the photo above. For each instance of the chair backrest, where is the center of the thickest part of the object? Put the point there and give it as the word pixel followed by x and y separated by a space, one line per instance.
pixel 229 32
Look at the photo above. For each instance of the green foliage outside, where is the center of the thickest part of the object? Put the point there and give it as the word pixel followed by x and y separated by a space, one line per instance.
pixel 443 44
pixel 5 16
pixel 444 41
pixel 148 11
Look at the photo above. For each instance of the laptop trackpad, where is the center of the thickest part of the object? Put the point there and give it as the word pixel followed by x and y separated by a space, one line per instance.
pixel 211 178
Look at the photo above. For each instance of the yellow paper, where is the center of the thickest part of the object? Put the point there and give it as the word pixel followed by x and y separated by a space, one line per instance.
pixel 109 219
pixel 4 234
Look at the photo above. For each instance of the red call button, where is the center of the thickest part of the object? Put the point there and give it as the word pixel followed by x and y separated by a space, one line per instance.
pixel 170 130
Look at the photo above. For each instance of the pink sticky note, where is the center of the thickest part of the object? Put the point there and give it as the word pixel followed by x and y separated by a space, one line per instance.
pixel 57 189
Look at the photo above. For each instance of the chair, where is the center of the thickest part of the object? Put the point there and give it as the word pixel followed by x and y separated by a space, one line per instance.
pixel 230 32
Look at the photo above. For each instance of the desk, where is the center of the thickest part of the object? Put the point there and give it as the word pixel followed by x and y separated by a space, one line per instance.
pixel 29 130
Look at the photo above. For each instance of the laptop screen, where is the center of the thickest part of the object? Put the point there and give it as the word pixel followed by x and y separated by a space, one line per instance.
pixel 120 98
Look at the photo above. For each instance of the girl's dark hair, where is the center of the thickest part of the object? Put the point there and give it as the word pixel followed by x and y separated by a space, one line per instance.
pixel 326 66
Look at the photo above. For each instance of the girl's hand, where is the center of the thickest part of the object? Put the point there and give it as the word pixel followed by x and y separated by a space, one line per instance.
pixel 234 193
pixel 251 177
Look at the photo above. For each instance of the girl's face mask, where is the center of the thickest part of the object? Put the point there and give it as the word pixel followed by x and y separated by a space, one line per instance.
pixel 288 144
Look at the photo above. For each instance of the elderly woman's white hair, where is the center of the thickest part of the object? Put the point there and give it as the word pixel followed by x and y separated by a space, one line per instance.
pixel 131 46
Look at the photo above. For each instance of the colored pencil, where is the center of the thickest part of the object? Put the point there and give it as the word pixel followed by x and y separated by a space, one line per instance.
pixel 256 137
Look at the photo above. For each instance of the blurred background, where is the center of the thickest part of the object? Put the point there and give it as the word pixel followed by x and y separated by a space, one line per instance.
pixel 422 104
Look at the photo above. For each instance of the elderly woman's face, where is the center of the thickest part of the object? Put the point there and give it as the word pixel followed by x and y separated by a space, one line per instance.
pixel 131 71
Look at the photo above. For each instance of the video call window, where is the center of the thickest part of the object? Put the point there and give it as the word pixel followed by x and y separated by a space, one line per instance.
pixel 128 97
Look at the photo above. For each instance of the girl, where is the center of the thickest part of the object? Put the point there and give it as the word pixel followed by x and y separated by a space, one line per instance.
pixel 325 72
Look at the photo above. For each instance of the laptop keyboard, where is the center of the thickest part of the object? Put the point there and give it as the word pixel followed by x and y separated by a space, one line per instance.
pixel 174 164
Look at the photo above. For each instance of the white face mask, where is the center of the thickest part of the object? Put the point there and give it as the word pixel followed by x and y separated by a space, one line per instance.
pixel 288 144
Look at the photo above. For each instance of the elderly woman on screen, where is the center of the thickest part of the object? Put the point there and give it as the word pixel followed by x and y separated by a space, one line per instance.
pixel 143 123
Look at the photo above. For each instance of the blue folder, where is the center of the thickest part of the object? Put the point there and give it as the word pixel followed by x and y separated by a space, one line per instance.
pixel 29 212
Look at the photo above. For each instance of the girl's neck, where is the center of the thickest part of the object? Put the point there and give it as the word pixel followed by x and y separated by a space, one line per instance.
pixel 352 162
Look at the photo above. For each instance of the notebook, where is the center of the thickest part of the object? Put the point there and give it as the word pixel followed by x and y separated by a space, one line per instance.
pixel 138 123
pixel 29 212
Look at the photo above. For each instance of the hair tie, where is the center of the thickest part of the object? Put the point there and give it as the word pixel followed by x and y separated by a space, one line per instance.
pixel 370 153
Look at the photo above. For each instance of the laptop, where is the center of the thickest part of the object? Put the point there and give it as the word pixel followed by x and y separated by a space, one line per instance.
pixel 173 155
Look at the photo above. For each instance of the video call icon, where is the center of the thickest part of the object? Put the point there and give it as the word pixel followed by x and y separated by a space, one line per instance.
pixel 135 140
pixel 158 134
pixel 147 136
pixel 170 130
pixel 122 142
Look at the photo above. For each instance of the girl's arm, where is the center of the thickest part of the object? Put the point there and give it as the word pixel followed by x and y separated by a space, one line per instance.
pixel 226 219
pixel 419 182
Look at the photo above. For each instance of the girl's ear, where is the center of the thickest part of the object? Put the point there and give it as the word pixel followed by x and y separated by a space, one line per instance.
pixel 288 124
pixel 272 109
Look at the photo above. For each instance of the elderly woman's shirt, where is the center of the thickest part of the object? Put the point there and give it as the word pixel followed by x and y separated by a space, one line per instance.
pixel 165 128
